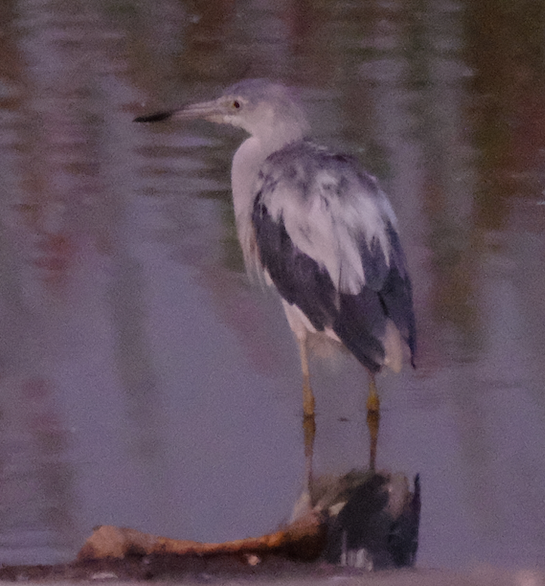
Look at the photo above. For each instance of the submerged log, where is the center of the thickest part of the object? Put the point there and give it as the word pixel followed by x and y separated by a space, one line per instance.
pixel 362 519
pixel 302 539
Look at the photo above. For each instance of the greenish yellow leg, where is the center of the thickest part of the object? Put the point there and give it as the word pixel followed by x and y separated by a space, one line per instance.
pixel 309 422
pixel 373 420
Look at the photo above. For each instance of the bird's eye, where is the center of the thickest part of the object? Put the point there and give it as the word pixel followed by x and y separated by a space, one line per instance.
pixel 236 104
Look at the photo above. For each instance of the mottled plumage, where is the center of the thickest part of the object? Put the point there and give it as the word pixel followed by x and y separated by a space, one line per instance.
pixel 326 236
pixel 320 230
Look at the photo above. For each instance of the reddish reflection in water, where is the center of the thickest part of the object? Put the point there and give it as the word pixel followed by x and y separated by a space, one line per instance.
pixel 144 382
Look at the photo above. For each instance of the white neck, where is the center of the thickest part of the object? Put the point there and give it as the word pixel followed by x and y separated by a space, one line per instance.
pixel 247 161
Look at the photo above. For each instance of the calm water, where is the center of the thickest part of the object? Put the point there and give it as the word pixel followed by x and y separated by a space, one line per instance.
pixel 144 382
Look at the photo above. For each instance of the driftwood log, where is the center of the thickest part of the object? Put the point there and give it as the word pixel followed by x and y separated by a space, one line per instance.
pixel 362 519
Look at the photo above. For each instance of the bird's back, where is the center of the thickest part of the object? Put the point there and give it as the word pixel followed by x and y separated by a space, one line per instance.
pixel 326 236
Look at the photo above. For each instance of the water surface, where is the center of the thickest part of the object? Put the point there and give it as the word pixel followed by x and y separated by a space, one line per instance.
pixel 145 382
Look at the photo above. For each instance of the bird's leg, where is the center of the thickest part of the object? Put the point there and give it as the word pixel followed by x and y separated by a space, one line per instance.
pixel 373 419
pixel 309 422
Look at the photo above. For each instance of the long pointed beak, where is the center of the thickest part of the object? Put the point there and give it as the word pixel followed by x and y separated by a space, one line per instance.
pixel 213 111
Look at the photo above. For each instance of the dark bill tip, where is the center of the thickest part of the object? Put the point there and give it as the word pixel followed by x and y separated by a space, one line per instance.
pixel 157 117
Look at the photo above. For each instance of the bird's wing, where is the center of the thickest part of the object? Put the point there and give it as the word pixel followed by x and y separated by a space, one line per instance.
pixel 326 236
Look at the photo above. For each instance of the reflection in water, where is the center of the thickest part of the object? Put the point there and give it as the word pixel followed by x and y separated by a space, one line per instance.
pixel 145 383
pixel 36 496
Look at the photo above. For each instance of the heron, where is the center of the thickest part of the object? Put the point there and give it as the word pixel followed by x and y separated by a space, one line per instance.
pixel 314 225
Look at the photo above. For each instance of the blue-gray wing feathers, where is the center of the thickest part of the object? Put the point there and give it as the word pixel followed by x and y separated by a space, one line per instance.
pixel 326 236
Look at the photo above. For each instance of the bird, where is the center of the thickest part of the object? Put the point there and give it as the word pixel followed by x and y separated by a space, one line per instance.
pixel 314 225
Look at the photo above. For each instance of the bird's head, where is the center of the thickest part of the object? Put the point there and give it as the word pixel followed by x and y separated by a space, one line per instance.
pixel 262 108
